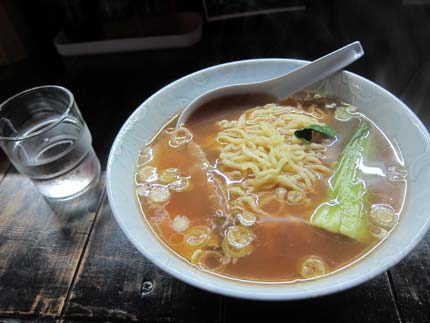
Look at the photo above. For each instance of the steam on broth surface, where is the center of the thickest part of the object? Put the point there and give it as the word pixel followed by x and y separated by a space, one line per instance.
pixel 267 192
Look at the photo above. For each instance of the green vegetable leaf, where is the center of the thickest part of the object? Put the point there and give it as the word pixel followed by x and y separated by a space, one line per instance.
pixel 344 212
pixel 306 133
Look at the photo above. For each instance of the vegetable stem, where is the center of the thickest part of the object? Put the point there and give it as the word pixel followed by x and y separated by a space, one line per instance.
pixel 344 212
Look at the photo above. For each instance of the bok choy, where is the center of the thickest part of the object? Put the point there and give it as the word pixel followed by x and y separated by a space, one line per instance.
pixel 344 213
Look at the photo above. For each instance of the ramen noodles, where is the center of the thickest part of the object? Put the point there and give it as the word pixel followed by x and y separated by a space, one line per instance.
pixel 276 192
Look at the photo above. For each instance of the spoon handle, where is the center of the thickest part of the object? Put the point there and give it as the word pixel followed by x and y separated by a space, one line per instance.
pixel 319 69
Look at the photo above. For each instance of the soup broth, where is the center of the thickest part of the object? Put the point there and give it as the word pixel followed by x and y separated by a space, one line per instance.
pixel 268 223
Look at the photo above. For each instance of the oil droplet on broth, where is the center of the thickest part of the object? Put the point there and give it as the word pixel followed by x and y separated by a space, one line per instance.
pixel 255 259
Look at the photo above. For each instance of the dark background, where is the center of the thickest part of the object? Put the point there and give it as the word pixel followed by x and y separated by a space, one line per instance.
pixel 394 34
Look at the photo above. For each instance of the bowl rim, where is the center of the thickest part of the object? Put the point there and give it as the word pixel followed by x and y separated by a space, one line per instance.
pixel 238 293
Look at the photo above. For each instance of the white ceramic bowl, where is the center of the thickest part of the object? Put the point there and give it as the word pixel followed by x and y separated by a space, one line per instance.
pixel 397 121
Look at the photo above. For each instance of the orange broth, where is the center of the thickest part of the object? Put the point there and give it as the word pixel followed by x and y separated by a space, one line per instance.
pixel 285 239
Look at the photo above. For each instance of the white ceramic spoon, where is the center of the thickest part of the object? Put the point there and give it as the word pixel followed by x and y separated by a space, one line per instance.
pixel 285 85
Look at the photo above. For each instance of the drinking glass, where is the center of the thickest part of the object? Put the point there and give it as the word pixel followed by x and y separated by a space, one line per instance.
pixel 45 137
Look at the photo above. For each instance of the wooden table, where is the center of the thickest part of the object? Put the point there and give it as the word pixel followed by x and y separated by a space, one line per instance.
pixel 72 263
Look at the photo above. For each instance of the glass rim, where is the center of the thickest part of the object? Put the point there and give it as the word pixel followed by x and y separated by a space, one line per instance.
pixel 65 114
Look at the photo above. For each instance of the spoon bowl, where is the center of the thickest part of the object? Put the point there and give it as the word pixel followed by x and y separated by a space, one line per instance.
pixel 285 85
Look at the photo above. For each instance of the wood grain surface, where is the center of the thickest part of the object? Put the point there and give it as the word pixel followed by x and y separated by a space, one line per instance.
pixel 352 305
pixel 72 263
pixel 139 291
pixel 116 282
pixel 40 247
pixel 411 282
